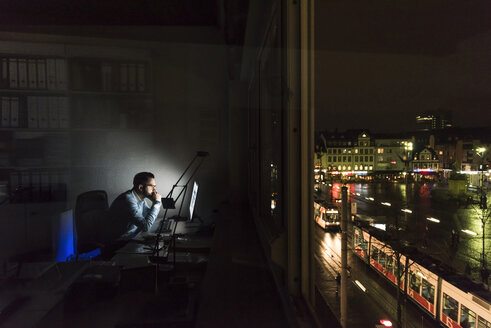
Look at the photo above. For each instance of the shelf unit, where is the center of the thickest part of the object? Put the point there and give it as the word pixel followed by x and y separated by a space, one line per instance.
pixel 61 104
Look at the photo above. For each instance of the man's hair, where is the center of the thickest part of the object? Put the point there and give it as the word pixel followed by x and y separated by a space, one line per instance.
pixel 142 178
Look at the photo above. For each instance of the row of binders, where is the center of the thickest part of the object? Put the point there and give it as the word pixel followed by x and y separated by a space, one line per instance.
pixel 33 73
pixel 38 186
pixel 36 112
pixel 124 77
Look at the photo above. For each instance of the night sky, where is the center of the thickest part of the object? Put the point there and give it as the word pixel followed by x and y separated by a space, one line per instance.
pixel 379 64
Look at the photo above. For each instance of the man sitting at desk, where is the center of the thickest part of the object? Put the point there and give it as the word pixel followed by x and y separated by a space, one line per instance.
pixel 129 213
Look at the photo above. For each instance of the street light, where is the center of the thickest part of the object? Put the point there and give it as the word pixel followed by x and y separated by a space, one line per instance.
pixel 480 151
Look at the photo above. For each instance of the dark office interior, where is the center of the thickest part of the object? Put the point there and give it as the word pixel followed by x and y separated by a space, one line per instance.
pixel 94 93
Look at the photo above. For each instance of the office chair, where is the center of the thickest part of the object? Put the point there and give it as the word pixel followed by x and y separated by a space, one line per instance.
pixel 91 209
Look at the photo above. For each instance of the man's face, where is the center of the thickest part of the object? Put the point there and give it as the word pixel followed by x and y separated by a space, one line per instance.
pixel 149 188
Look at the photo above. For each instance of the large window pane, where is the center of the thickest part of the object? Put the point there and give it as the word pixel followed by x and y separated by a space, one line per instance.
pixel 428 291
pixel 390 265
pixel 483 323
pixel 374 253
pixel 467 318
pixel 414 282
pixel 450 307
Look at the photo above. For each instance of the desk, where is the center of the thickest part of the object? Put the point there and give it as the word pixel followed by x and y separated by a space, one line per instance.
pixel 189 249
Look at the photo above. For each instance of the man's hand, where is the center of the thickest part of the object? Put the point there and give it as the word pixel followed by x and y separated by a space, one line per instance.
pixel 156 197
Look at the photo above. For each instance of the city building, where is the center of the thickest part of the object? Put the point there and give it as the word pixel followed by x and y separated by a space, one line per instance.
pixel 351 153
pixel 434 120
pixel 357 153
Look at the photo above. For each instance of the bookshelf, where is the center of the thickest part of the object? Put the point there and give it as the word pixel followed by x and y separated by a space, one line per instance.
pixel 61 103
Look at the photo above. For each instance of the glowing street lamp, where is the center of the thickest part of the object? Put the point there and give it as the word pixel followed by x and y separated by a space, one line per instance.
pixel 469 232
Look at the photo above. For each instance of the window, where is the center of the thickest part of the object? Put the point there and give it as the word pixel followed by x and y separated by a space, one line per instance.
pixel 390 264
pixel 356 167
pixel 339 158
pixel 356 158
pixel 329 151
pixel 371 158
pixel 414 281
pixel 450 307
pixel 334 151
pixel 467 317
pixel 401 272
pixel 344 158
pixel 366 158
pixel 380 151
pixel 328 158
pixel 371 150
pixel 374 253
pixel 483 323
pixel 356 151
pixel 382 257
pixel 349 158
pixel 428 291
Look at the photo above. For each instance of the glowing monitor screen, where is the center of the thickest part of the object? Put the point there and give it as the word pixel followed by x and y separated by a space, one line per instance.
pixel 193 200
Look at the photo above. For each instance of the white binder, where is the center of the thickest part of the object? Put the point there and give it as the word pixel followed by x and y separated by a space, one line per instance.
pixel 22 78
pixel 51 73
pixel 43 112
pixel 53 113
pixel 5 112
pixel 13 81
pixel 4 82
pixel 14 112
pixel 32 74
pixel 41 74
pixel 61 76
pixel 32 112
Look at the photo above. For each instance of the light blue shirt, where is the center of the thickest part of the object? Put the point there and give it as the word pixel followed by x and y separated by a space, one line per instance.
pixel 129 215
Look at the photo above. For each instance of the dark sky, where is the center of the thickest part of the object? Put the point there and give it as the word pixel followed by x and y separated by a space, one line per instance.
pixel 378 64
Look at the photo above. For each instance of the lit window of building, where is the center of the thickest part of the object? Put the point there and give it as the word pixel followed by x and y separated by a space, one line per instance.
pixel 380 151
pixel 344 167
pixel 356 167
pixel 356 150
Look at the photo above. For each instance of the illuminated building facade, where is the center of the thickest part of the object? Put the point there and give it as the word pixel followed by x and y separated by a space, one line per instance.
pixel 349 153
pixel 438 120
pixel 425 161
pixel 358 153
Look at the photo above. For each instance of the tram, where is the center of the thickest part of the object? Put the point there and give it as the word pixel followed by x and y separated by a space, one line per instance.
pixel 326 215
pixel 451 299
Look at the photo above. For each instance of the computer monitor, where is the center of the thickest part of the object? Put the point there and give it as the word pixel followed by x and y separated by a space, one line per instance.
pixel 193 200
